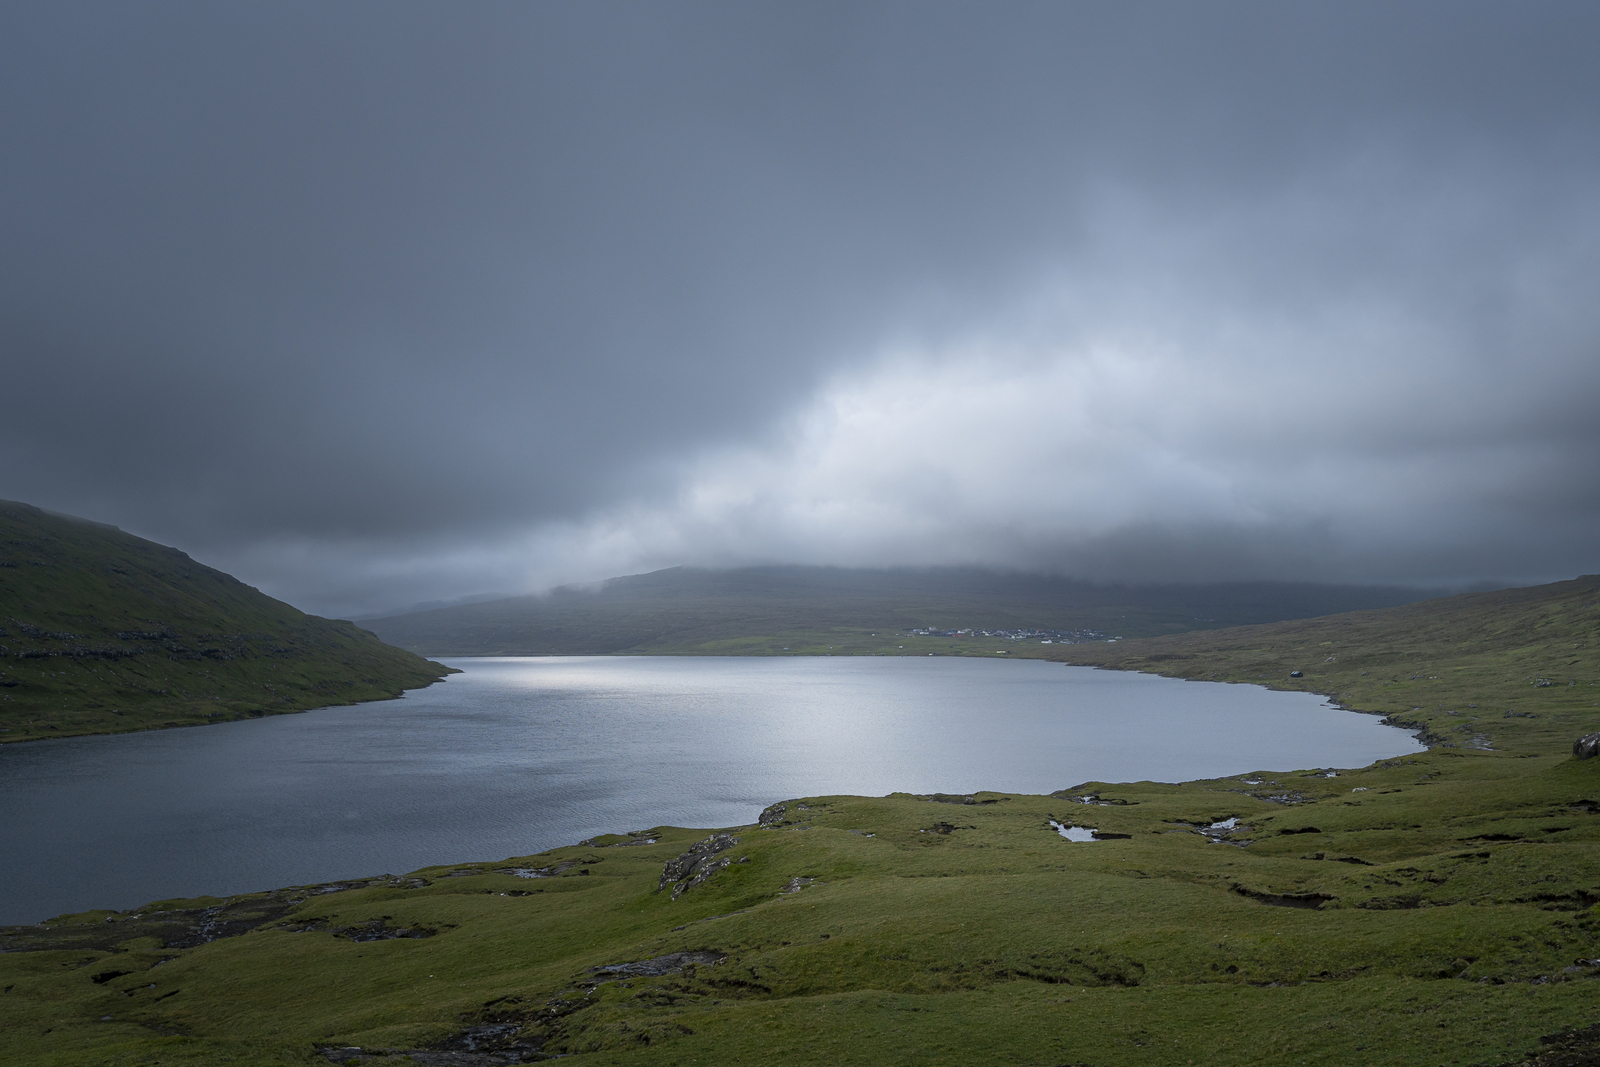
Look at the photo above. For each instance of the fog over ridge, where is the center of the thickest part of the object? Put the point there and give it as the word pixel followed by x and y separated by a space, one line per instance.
pixel 379 304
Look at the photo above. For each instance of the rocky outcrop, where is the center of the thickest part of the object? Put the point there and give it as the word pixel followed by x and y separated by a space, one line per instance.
pixel 697 865
pixel 656 967
pixel 1570 1048
pixel 1586 746
pixel 954 798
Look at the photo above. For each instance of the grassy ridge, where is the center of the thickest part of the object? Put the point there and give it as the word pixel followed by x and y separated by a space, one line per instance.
pixel 1431 909
pixel 812 610
pixel 103 632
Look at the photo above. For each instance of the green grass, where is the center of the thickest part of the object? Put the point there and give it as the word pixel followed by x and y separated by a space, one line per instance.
pixel 102 632
pixel 1519 666
pixel 994 942
pixel 1447 906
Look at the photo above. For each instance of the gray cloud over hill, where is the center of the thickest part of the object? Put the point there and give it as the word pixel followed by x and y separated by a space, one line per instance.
pixel 379 303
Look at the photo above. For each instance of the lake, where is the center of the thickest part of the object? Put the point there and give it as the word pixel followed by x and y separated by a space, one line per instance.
pixel 518 755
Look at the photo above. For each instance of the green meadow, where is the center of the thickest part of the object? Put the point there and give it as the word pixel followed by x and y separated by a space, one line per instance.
pixel 1428 909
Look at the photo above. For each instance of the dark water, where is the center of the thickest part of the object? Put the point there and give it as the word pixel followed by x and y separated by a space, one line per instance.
pixel 519 755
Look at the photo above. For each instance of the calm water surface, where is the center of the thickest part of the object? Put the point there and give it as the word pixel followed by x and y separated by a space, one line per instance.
pixel 520 755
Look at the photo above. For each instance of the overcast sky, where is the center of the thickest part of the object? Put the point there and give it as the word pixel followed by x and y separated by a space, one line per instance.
pixel 372 304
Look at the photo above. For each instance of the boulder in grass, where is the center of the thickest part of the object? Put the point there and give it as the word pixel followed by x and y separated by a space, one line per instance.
pixel 1586 746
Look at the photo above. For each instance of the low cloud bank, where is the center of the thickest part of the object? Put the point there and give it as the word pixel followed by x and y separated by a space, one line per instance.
pixel 1170 406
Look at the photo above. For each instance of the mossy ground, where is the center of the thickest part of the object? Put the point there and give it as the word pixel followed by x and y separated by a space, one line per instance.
pixel 1429 909
pixel 1455 898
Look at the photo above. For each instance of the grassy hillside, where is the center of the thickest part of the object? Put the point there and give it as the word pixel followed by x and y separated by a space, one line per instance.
pixel 103 632
pixel 1430 909
pixel 1519 665
pixel 815 610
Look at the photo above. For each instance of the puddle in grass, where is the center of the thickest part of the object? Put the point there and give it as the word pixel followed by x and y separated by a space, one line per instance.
pixel 1073 833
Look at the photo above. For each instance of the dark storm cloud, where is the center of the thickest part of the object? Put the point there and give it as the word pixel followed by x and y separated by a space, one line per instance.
pixel 374 303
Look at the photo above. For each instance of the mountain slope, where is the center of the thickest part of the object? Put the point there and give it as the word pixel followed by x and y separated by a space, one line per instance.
pixel 104 632
pixel 767 610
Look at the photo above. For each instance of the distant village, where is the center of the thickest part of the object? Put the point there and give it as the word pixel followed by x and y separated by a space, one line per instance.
pixel 1044 637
